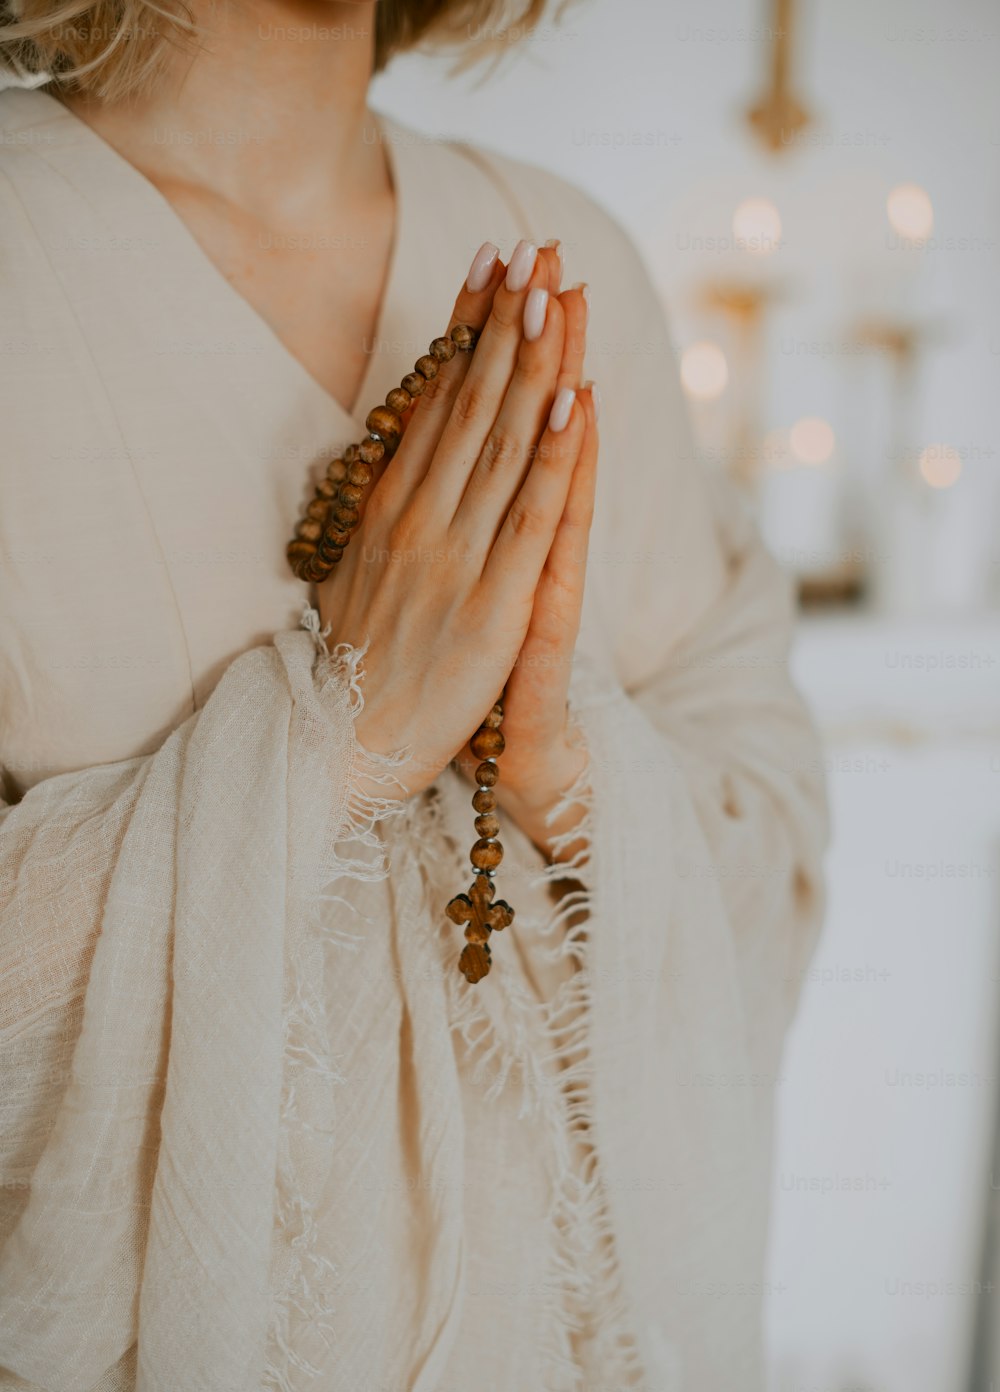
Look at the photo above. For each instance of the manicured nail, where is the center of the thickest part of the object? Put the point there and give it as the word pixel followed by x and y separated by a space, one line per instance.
pixel 482 267
pixel 584 290
pixel 554 244
pixel 595 396
pixel 562 409
pixel 534 313
pixel 522 263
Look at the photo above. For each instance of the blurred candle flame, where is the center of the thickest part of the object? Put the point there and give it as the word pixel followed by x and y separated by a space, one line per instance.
pixel 704 371
pixel 812 440
pixel 940 465
pixel 757 226
pixel 911 212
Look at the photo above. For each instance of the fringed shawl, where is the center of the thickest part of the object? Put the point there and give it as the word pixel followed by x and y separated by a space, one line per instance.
pixel 240 1076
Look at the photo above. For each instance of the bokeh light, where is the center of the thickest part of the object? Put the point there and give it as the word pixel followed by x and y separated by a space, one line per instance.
pixel 940 465
pixel 812 440
pixel 704 371
pixel 911 212
pixel 757 226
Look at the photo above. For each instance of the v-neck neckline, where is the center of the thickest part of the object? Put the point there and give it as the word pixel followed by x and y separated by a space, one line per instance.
pixel 251 324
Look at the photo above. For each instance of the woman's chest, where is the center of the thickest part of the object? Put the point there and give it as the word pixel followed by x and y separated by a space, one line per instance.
pixel 143 549
pixel 317 282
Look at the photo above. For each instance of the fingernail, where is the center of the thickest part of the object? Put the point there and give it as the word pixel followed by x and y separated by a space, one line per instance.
pixel 595 396
pixel 482 267
pixel 562 409
pixel 584 290
pixel 554 244
pixel 522 263
pixel 534 313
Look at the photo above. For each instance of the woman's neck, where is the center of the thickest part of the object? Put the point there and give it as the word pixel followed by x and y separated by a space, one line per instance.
pixel 267 113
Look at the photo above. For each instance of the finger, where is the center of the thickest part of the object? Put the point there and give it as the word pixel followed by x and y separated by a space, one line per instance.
pixel 529 528
pixel 555 618
pixel 576 309
pixel 579 510
pixel 547 651
pixel 436 402
pixel 552 251
pixel 480 397
pixel 500 470
pixel 431 400
pixel 496 478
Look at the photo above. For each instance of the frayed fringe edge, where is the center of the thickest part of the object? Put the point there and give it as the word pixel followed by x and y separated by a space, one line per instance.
pixel 585 1282
pixel 356 852
pixel 342 666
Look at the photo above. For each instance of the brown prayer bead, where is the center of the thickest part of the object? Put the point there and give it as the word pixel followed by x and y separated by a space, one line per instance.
pixel 309 530
pixel 484 801
pixel 315 571
pixel 299 551
pixel 463 337
pixel 351 494
pixel 345 517
pixel 486 743
pixel 427 367
pixel 495 718
pixel 318 509
pixel 328 553
pixel 351 453
pixel 361 473
pixel 488 824
pixel 336 536
pixel 326 488
pixel 335 470
pixel 386 424
pixel 413 383
pixel 370 452
pixel 486 855
pixel 398 399
pixel 487 774
pixel 442 349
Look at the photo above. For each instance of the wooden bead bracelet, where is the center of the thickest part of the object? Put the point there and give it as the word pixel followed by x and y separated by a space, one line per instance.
pixel 318 544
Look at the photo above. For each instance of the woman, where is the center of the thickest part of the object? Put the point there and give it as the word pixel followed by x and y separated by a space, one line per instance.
pixel 258 1130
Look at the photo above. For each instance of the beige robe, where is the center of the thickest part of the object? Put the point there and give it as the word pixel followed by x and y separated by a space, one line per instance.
pixel 255 1129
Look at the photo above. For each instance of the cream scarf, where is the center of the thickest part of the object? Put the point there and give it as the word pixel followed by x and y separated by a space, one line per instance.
pixel 166 1069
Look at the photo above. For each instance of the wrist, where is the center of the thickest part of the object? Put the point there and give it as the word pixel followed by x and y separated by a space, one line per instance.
pixel 531 803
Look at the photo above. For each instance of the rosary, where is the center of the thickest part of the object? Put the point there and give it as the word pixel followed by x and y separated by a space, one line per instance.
pixel 319 542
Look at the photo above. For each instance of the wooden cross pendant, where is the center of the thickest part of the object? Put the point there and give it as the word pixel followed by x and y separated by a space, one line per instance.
pixel 482 917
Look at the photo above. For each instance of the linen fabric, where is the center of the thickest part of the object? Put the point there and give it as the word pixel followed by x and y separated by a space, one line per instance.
pixel 256 1131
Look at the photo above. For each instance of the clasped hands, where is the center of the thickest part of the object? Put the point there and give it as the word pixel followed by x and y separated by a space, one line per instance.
pixel 467 573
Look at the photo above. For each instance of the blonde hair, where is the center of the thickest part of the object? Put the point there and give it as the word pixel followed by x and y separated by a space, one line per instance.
pixel 112 49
